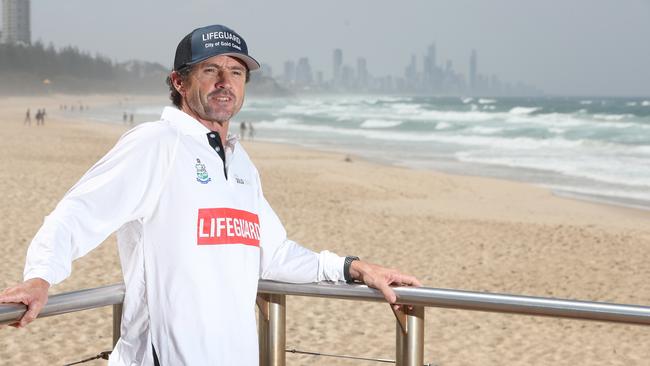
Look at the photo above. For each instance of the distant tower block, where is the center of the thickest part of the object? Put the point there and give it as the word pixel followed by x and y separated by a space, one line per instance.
pixel 472 71
pixel 337 61
pixel 15 22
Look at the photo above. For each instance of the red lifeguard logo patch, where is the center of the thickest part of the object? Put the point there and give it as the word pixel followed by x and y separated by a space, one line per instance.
pixel 217 226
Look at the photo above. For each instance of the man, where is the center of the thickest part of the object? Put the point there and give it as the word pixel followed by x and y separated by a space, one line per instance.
pixel 195 232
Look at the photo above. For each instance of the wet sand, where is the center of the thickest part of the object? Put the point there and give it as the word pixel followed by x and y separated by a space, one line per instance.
pixel 451 231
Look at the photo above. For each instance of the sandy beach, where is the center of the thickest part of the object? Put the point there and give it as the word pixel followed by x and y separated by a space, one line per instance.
pixel 456 232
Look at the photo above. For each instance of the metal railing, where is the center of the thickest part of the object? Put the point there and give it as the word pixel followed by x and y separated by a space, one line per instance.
pixel 410 324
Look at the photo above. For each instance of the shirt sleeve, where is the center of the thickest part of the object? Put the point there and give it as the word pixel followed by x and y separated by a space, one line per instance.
pixel 287 261
pixel 122 186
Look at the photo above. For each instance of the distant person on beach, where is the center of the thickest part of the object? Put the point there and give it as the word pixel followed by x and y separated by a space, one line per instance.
pixel 131 119
pixel 195 232
pixel 242 130
pixel 124 117
pixel 28 118
pixel 40 117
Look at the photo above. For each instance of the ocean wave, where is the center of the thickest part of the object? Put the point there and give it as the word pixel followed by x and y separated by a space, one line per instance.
pixel 586 102
pixel 485 130
pixel 406 108
pixel 486 101
pixel 443 125
pixel 646 103
pixel 504 143
pixel 600 168
pixel 379 123
pixel 524 110
pixel 631 104
pixel 612 117
pixel 466 100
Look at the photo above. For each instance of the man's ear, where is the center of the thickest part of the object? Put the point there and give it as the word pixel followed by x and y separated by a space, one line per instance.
pixel 177 82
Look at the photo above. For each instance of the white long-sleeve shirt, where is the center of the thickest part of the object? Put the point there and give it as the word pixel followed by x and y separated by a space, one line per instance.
pixel 192 243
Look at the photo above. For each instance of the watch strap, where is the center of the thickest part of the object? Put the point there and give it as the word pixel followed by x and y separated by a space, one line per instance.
pixel 346 268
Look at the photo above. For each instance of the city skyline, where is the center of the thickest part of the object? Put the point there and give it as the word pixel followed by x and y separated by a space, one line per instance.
pixel 424 77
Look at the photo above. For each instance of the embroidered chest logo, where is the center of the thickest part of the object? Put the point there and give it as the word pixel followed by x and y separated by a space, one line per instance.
pixel 240 180
pixel 201 174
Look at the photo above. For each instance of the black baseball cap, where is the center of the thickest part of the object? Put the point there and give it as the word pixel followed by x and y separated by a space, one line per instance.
pixel 212 40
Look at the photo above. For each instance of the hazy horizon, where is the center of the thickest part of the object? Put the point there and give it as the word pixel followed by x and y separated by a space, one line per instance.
pixel 590 48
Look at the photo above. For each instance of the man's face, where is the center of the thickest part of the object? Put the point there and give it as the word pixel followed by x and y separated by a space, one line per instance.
pixel 215 88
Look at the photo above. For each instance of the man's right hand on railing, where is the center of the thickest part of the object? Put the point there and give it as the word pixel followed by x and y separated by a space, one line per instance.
pixel 32 293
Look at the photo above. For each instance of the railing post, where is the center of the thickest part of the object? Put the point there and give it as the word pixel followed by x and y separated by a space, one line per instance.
pixel 271 333
pixel 409 341
pixel 117 322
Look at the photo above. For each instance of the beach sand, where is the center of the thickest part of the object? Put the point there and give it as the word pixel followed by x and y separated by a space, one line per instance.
pixel 451 231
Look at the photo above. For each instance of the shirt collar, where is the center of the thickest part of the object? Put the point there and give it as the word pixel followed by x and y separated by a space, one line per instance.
pixel 188 125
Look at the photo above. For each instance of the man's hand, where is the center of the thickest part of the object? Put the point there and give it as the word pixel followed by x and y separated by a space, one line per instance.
pixel 381 278
pixel 32 293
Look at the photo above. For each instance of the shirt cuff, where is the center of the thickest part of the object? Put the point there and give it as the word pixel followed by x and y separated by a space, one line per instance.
pixel 330 267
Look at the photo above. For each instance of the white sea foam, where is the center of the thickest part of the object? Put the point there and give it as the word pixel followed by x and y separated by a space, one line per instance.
pixel 485 130
pixel 489 107
pixel 406 108
pixel 612 117
pixel 379 123
pixel 524 110
pixel 486 101
pixel 646 103
pixel 442 125
pixel 586 102
pixel 606 168
pixel 630 104
pixel 466 100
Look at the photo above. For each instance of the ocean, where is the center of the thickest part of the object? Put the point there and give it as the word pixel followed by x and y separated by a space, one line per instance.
pixel 590 148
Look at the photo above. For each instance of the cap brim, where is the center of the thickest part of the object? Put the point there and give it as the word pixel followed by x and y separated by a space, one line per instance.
pixel 250 62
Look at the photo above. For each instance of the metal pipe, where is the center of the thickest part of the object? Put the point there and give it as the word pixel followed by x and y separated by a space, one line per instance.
pixel 117 322
pixel 277 326
pixel 263 328
pixel 68 302
pixel 271 333
pixel 421 296
pixel 468 300
pixel 409 342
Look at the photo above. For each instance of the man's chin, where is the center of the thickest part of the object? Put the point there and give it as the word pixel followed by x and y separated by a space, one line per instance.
pixel 218 116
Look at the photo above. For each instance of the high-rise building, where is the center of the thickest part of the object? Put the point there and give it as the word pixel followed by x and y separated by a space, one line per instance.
pixel 337 60
pixel 362 73
pixel 472 71
pixel 289 72
pixel 304 75
pixel 15 22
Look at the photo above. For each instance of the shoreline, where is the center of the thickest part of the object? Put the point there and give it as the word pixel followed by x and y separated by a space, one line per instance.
pixel 610 201
pixel 452 167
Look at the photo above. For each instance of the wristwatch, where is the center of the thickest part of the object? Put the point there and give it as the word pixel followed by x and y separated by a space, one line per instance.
pixel 346 268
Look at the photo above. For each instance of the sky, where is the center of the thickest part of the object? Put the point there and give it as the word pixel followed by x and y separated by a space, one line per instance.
pixel 576 47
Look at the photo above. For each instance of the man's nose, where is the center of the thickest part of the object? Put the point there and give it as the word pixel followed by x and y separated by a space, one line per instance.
pixel 223 79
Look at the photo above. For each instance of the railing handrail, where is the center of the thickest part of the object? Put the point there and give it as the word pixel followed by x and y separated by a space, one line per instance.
pixel 423 296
